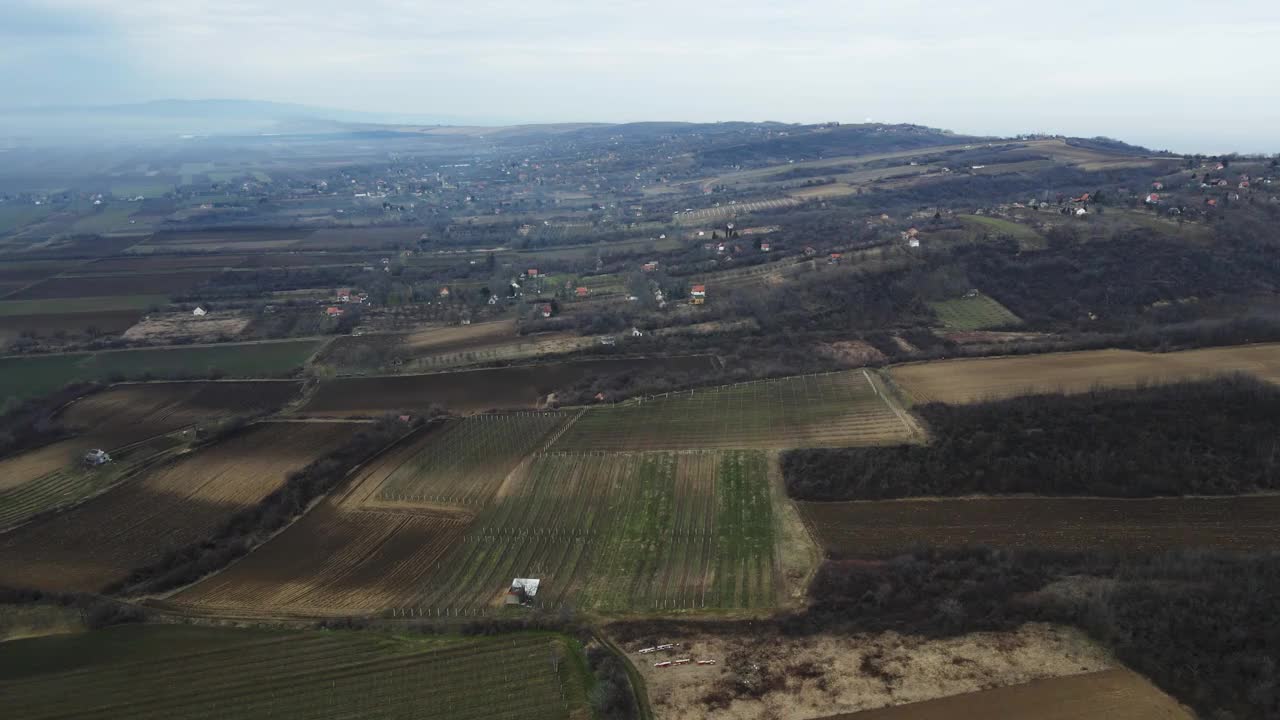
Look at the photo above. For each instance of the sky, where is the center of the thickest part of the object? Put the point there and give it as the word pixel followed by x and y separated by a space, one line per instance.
pixel 1187 76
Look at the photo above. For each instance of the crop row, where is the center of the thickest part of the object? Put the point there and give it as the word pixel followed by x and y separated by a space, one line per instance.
pixel 620 532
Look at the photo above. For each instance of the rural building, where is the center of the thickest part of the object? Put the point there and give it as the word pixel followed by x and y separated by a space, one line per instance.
pixel 96 457
pixel 1153 199
pixel 444 292
pixel 1157 186
pixel 582 292
pixel 649 266
pixel 1081 211
pixel 343 295
pixel 765 247
pixel 546 311
pixel 698 294
pixel 532 272
pixel 809 251
pixel 913 242
pixel 333 311
pixel 834 259
pixel 523 591
pixel 199 312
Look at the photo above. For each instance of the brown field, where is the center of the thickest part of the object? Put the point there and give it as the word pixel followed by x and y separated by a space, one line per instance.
pixel 170 326
pixel 169 507
pixel 126 414
pixel 976 379
pixel 1114 693
pixel 230 238
pixel 112 285
pixel 851 673
pixel 881 528
pixel 341 238
pixel 162 263
pixel 297 259
pixel 344 556
pixel 471 391
pixel 111 322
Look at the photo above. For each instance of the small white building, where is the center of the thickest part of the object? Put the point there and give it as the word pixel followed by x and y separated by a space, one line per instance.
pixel 96 457
pixel 199 312
pixel 523 591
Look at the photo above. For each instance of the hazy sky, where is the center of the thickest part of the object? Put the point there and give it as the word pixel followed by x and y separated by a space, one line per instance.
pixel 1191 76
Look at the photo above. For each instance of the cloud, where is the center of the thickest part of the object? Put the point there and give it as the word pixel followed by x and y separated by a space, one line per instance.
pixel 1140 71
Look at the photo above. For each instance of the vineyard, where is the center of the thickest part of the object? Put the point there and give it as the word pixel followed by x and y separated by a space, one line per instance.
pixel 372 546
pixel 832 410
pixel 620 532
pixel 465 463
pixel 199 673
pixel 165 508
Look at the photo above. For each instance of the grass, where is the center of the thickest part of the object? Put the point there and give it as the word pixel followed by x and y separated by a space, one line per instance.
pixel 15 216
pixel 57 306
pixel 979 312
pixel 105 219
pixel 1027 238
pixel 146 187
pixel 201 672
pixel 24 377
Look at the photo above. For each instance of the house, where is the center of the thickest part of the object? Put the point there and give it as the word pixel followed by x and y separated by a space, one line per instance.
pixel 343 295
pixel 913 242
pixel 1081 211
pixel 523 591
pixel 637 332
pixel 465 321
pixel 532 272
pixel 199 312
pixel 608 340
pixel 809 251
pixel 649 267
pixel 1157 185
pixel 765 247
pixel 96 457
pixel 599 397
pixel 834 259
pixel 333 311
pixel 546 311
pixel 1153 199
pixel 444 292
pixel 698 294
pixel 493 299
pixel 582 292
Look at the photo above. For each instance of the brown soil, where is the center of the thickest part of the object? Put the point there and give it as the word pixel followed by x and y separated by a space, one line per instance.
pixel 877 528
pixel 976 379
pixel 168 326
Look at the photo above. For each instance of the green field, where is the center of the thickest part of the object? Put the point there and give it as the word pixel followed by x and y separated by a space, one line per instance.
pixel 55 306
pixel 147 187
pixel 621 532
pixel 106 218
pixel 974 313
pixel 174 671
pixel 14 216
pixel 24 377
pixel 832 410
pixel 1027 238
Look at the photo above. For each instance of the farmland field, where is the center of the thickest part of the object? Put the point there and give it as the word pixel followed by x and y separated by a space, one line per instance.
pixel 199 672
pixel 23 377
pixel 111 322
pixel 166 508
pixel 1026 237
pixel 978 379
pixel 1115 693
pixel 475 390
pixel 79 304
pixel 372 546
pixel 113 286
pixel 974 313
pixel 878 528
pixel 832 410
pixel 618 532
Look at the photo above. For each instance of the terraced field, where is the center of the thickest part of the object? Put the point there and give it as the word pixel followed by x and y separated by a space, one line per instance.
pixel 618 532
pixel 832 410
pixel 195 672
pixel 168 507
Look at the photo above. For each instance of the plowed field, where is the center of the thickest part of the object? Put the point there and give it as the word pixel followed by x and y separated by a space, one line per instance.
pixel 168 507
